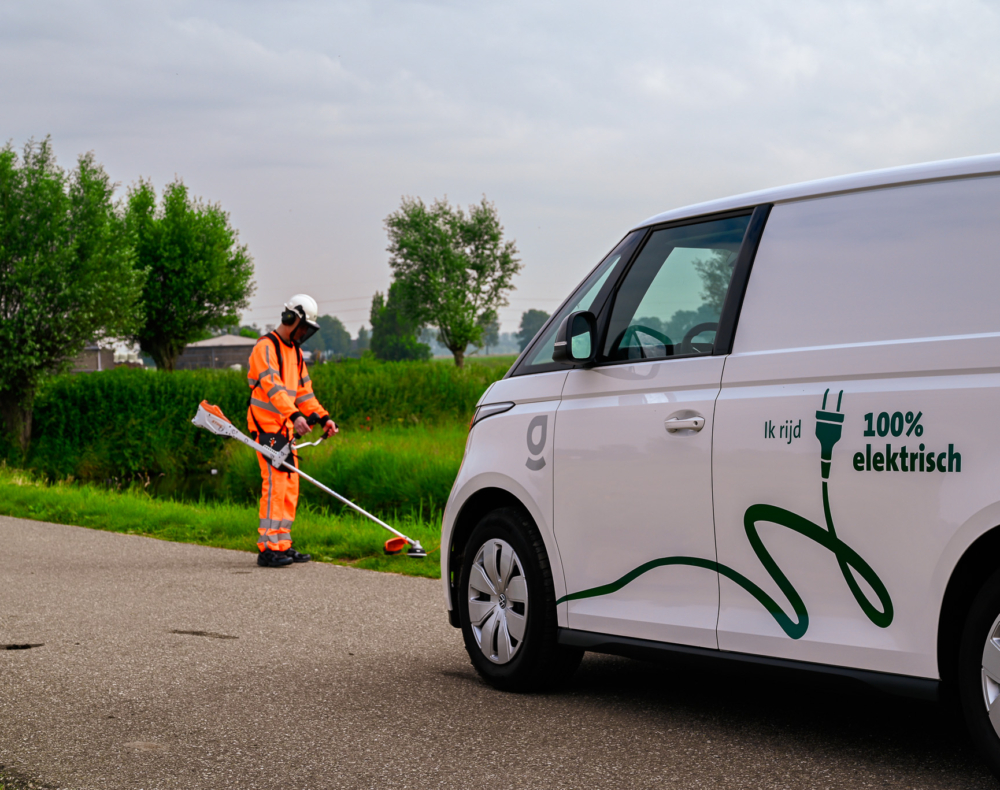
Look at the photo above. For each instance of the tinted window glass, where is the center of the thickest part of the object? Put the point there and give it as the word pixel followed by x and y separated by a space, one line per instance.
pixel 584 297
pixel 671 299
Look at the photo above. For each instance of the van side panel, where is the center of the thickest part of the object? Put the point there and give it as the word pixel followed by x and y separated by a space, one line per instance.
pixel 869 326
pixel 889 264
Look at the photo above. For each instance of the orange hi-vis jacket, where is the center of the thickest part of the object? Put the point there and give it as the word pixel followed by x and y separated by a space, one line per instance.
pixel 280 391
pixel 280 387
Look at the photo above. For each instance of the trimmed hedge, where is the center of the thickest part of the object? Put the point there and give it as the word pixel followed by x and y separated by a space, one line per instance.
pixel 128 423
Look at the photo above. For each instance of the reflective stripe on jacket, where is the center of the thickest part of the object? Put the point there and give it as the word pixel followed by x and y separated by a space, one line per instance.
pixel 279 386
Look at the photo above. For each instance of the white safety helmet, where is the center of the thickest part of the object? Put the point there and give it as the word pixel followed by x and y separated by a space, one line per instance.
pixel 302 306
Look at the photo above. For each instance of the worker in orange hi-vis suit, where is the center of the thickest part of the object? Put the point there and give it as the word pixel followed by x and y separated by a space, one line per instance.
pixel 281 400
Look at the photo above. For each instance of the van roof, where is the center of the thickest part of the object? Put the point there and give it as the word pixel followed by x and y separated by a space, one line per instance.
pixel 988 164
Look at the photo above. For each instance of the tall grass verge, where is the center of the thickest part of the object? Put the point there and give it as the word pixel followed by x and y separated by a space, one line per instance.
pixel 394 469
pixel 130 423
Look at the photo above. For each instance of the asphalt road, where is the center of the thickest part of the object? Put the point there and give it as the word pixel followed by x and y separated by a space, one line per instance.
pixel 319 676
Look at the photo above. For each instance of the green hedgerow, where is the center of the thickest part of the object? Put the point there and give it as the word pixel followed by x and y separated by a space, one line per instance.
pixel 128 424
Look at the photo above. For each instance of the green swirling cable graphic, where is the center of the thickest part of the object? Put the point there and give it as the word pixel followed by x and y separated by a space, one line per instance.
pixel 828 431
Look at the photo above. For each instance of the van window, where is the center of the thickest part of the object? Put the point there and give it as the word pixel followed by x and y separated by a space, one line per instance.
pixel 584 299
pixel 670 301
pixel 887 264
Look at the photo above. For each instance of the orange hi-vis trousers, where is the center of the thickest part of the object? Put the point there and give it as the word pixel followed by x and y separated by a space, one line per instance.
pixel 278 498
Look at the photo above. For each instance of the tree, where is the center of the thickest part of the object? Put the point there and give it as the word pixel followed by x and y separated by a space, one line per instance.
pixel 251 330
pixel 67 274
pixel 200 276
pixel 451 268
pixel 394 336
pixel 531 322
pixel 363 340
pixel 332 336
pixel 491 330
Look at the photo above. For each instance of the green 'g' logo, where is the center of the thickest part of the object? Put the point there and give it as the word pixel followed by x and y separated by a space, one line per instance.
pixel 829 427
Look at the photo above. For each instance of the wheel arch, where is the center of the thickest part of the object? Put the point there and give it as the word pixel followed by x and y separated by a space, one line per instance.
pixel 473 509
pixel 977 564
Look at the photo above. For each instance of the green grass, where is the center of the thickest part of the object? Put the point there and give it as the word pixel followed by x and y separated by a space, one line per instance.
pixel 385 469
pixel 345 539
pixel 404 432
pixel 133 423
pixel 499 361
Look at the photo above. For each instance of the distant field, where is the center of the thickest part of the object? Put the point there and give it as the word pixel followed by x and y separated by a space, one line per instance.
pixel 494 360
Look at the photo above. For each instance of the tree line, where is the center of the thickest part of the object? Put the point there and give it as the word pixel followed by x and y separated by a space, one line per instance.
pixel 78 266
pixel 396 340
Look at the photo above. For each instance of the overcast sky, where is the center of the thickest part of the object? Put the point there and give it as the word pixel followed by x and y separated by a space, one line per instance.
pixel 308 121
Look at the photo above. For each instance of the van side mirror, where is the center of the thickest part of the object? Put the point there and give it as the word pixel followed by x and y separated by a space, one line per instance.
pixel 576 339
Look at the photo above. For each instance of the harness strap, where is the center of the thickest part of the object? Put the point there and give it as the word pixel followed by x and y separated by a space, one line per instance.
pixel 277 352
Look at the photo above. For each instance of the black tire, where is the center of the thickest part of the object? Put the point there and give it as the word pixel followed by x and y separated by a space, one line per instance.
pixel 539 663
pixel 980 622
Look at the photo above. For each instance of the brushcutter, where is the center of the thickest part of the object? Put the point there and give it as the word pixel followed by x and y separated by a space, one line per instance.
pixel 211 418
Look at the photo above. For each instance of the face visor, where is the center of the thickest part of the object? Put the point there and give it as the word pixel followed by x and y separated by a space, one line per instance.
pixel 305 330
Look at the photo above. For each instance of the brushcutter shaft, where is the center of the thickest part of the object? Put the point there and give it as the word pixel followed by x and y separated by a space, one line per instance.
pixel 346 501
pixel 211 418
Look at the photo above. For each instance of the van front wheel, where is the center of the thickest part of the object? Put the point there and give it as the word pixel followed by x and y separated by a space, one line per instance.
pixel 507 605
pixel 979 672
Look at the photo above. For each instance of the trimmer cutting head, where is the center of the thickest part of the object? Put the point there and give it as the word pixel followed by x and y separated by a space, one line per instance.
pixel 416 550
pixel 396 545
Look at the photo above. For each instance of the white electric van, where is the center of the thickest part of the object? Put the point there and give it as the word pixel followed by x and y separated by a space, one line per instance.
pixel 765 428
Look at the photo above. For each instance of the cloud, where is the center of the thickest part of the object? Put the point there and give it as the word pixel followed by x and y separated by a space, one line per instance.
pixel 309 120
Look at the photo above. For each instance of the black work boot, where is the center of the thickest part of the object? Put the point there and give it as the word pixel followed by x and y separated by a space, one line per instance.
pixel 273 559
pixel 296 556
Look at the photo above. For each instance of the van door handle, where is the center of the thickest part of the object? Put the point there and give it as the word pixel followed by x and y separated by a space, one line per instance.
pixel 675 424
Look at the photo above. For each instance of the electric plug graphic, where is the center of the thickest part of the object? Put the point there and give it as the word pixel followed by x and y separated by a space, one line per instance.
pixel 829 427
